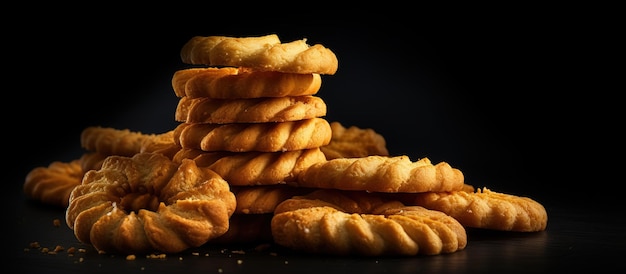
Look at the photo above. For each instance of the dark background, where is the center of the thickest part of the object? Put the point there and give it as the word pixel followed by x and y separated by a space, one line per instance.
pixel 520 101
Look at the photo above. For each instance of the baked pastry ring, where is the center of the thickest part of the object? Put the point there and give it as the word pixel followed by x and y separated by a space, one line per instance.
pixel 264 137
pixel 147 203
pixel 124 142
pixel 339 222
pixel 223 83
pixel 254 110
pixel 265 53
pixel 354 142
pixel 254 168
pixel 53 184
pixel 484 209
pixel 382 174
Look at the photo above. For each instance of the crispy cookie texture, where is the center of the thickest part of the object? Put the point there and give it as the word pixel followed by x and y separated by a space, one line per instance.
pixel 485 209
pixel 264 137
pixel 53 184
pixel 354 142
pixel 147 203
pixel 255 168
pixel 254 110
pixel 336 222
pixel 124 142
pixel 382 174
pixel 264 53
pixel 223 83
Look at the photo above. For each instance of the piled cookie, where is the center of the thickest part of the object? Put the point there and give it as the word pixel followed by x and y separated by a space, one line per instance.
pixel 253 159
pixel 252 116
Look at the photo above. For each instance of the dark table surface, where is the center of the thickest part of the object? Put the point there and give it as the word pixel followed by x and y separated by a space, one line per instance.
pixel 520 106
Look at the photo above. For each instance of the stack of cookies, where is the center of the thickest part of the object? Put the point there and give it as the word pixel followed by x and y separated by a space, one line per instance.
pixel 248 110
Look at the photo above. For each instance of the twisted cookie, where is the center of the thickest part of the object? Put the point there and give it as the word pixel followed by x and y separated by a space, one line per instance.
pixel 359 223
pixel 484 209
pixel 232 83
pixel 54 183
pixel 354 142
pixel 123 142
pixel 255 110
pixel 148 203
pixel 265 137
pixel 264 53
pixel 382 174
pixel 255 168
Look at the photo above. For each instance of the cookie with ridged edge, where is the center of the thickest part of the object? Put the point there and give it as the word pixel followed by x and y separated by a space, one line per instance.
pixel 265 53
pixel 382 174
pixel 265 137
pixel 337 222
pixel 484 209
pixel 231 83
pixel 253 110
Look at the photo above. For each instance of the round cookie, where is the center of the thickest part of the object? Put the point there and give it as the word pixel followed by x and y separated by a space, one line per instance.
pixel 331 221
pixel 264 53
pixel 147 203
pixel 484 208
pixel 264 137
pixel 382 174
pixel 223 83
pixel 254 110
pixel 255 168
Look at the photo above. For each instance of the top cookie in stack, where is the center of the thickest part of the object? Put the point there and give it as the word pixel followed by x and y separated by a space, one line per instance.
pixel 248 108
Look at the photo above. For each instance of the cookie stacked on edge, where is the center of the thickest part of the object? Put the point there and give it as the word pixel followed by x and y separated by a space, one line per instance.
pixel 248 110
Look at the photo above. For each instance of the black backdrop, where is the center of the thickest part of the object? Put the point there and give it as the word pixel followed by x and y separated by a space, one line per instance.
pixel 521 103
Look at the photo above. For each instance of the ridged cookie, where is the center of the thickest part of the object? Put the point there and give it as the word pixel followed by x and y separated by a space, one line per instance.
pixel 263 199
pixel 255 168
pixel 254 110
pixel 181 77
pixel 382 174
pixel 354 142
pixel 264 137
pixel 359 223
pixel 484 209
pixel 244 83
pixel 146 203
pixel 53 184
pixel 124 142
pixel 265 53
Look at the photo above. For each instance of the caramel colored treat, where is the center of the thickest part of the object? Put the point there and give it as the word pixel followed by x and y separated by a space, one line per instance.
pixel 359 223
pixel 354 142
pixel 255 168
pixel 243 83
pixel 264 53
pixel 147 203
pixel 53 184
pixel 382 174
pixel 263 199
pixel 264 137
pixel 484 209
pixel 256 110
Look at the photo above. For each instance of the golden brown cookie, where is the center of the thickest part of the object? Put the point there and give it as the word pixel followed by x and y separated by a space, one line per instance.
pixel 181 77
pixel 354 142
pixel 255 110
pixel 484 209
pixel 244 83
pixel 255 168
pixel 264 137
pixel 339 222
pixel 147 203
pixel 382 174
pixel 53 184
pixel 124 142
pixel 264 53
